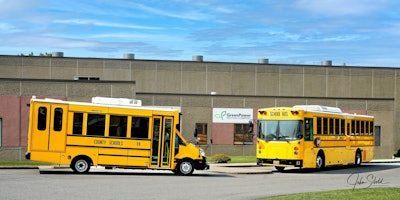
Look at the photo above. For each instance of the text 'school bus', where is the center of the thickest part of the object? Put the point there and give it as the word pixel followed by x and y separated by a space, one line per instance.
pixel 313 136
pixel 109 132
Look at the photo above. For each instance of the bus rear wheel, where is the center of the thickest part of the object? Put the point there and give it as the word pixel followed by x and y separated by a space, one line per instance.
pixel 280 169
pixel 185 167
pixel 80 165
pixel 358 158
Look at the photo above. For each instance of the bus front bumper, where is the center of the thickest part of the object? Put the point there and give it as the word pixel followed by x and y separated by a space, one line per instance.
pixel 201 164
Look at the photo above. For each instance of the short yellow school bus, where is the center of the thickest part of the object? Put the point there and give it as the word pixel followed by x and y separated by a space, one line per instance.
pixel 109 132
pixel 313 136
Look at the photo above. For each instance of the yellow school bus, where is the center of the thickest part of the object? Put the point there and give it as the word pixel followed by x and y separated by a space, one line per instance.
pixel 313 136
pixel 109 132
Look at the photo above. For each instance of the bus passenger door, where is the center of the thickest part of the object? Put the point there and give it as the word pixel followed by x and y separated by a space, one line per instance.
pixel 166 146
pixel 156 138
pixel 58 127
pixel 161 142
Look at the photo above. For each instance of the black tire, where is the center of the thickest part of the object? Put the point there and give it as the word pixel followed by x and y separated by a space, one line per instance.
pixel 280 169
pixel 185 167
pixel 358 158
pixel 320 161
pixel 80 165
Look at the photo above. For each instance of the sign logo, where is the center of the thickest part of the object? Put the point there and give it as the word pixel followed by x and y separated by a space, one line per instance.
pixel 232 115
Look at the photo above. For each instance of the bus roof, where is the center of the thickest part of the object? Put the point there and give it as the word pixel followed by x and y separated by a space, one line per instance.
pixel 327 109
pixel 318 108
pixel 112 104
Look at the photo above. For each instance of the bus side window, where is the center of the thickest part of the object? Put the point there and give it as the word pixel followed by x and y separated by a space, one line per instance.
pixel 96 124
pixel 140 127
pixel 117 126
pixel 319 125
pixel 308 129
pixel 42 115
pixel 58 119
pixel 342 127
pixel 77 124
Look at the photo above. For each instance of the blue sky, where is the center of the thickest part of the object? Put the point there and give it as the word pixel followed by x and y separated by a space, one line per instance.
pixel 354 32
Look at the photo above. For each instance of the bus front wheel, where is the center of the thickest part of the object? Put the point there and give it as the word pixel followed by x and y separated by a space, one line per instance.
pixel 80 165
pixel 185 167
pixel 320 161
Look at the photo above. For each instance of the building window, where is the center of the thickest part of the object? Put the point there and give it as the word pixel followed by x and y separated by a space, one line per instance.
pixel 201 131
pixel 242 134
pixel 377 135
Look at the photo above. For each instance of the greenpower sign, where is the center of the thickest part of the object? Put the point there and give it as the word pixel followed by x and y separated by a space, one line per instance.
pixel 232 115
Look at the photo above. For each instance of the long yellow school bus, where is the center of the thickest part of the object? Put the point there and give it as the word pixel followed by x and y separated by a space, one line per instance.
pixel 312 136
pixel 109 132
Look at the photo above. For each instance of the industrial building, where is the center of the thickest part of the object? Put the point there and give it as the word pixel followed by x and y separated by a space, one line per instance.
pixel 204 92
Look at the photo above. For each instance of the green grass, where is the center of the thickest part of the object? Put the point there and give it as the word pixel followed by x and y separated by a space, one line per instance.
pixel 22 163
pixel 364 194
pixel 243 159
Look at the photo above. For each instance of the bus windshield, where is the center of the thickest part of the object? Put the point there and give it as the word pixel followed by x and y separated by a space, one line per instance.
pixel 283 130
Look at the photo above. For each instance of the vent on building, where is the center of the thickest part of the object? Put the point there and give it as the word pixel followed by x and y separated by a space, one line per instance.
pixel 197 58
pixel 129 56
pixel 327 63
pixel 263 61
pixel 86 78
pixel 57 54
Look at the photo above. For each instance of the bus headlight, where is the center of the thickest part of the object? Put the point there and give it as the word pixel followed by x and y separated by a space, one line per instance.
pixel 202 153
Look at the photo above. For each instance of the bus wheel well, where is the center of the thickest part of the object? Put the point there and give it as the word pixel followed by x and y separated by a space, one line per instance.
pixel 81 164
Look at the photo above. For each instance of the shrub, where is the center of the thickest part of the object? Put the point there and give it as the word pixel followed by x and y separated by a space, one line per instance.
pixel 397 154
pixel 220 158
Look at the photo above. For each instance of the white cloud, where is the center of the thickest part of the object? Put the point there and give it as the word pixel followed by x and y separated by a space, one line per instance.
pixel 102 23
pixel 340 7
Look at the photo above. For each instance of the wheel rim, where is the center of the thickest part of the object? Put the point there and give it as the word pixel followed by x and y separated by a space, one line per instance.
pixel 319 162
pixel 81 165
pixel 186 167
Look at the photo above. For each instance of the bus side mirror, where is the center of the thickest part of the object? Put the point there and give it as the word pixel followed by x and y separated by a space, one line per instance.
pixel 251 126
pixel 195 132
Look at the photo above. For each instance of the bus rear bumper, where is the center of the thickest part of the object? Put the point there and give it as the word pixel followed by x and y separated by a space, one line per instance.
pixel 28 155
pixel 279 162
